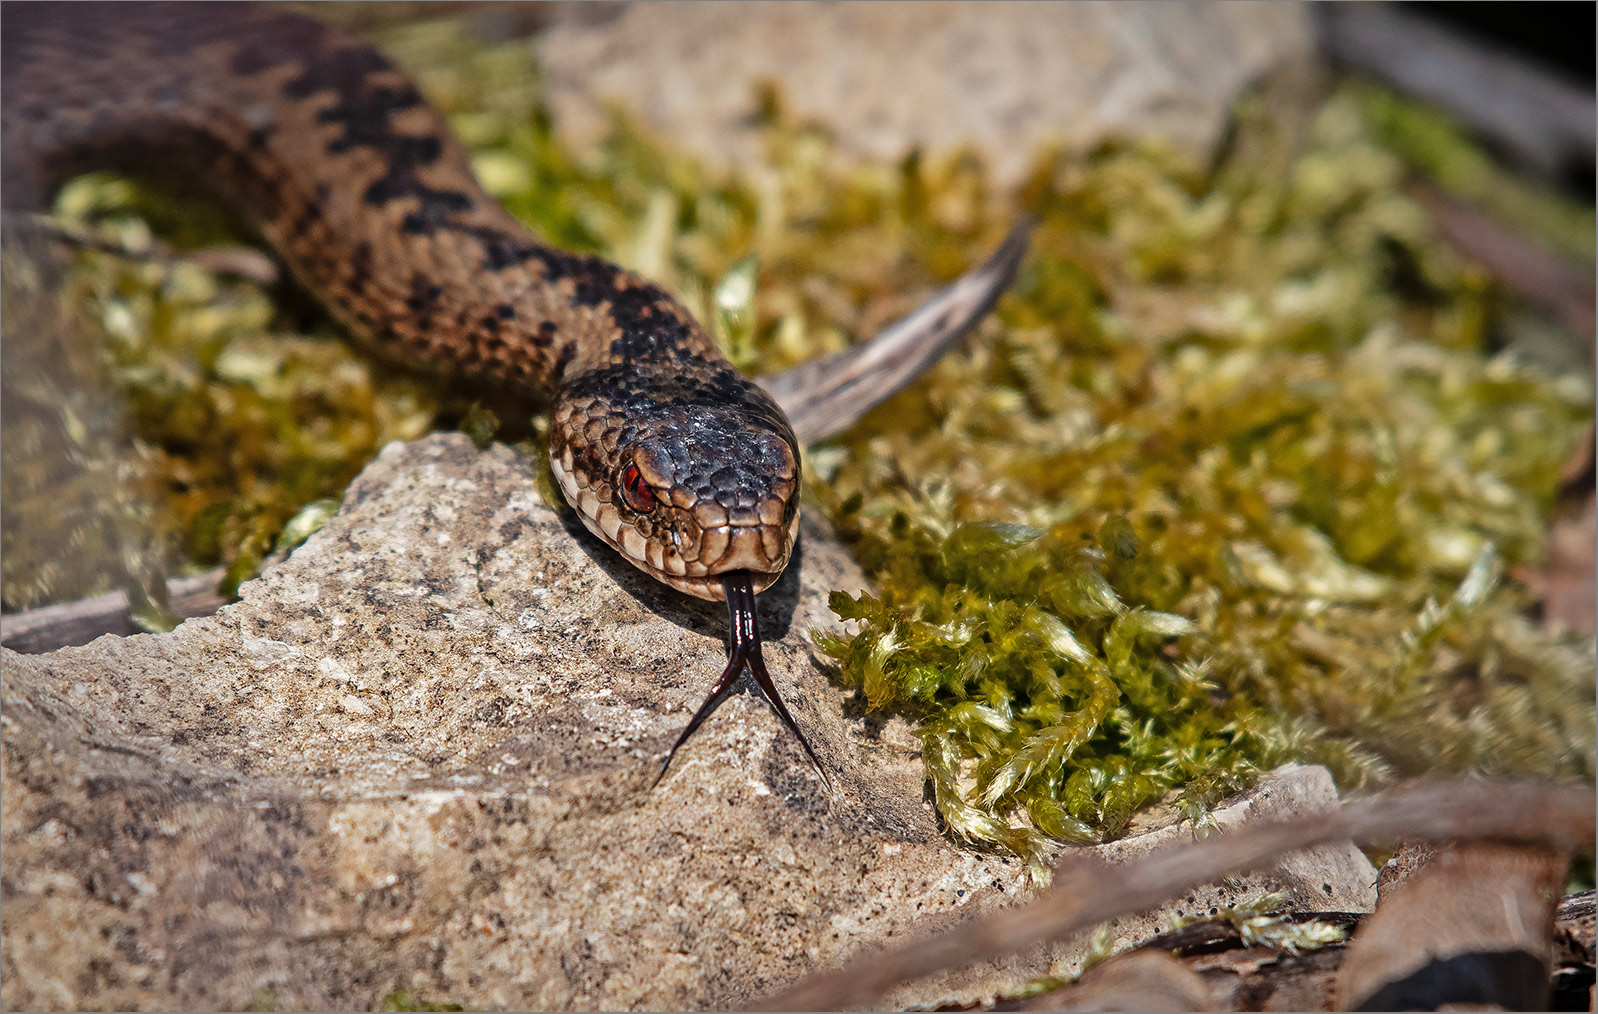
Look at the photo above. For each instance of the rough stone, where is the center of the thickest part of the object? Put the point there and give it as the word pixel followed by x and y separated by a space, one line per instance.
pixel 887 79
pixel 417 755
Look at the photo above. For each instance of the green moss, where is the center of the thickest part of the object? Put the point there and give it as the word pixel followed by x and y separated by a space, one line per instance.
pixel 1231 478
pixel 405 1000
pixel 1252 412
pixel 1265 922
pixel 481 424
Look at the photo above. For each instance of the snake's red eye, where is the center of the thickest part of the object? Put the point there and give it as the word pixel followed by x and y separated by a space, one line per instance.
pixel 636 491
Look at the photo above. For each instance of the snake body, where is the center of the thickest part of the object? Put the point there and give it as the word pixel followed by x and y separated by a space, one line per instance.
pixel 667 453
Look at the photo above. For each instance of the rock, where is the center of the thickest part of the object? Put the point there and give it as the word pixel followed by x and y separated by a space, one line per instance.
pixel 417 755
pixel 1005 79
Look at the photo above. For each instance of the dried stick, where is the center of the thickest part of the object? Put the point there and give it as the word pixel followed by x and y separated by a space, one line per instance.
pixel 1088 891
pixel 1526 267
pixel 50 627
pixel 1542 118
pixel 239 261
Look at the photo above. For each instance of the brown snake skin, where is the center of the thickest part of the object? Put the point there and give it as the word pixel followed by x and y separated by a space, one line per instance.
pixel 361 188
pixel 666 452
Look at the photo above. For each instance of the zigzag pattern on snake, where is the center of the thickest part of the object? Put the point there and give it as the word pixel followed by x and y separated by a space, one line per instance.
pixel 667 453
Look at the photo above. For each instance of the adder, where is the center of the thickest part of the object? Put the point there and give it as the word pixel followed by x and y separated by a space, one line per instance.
pixel 680 463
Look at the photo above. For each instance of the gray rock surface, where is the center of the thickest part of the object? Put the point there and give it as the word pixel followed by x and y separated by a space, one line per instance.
pixel 886 78
pixel 417 755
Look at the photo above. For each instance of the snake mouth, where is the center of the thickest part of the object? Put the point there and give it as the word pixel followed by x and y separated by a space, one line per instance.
pixel 759 550
pixel 710 588
pixel 746 553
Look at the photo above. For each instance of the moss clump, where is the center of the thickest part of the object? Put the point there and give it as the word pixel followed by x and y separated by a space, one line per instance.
pixel 1265 922
pixel 1252 410
pixel 1232 478
pixel 405 1000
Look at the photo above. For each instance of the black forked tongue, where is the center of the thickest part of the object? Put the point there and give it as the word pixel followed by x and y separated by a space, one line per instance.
pixel 744 637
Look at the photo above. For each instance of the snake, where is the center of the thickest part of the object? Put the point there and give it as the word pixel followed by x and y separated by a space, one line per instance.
pixel 667 453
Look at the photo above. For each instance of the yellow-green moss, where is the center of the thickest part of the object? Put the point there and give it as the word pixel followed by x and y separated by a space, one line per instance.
pixel 405 1000
pixel 1265 922
pixel 1233 477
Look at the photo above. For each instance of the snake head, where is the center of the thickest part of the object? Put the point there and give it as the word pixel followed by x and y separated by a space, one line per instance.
pixel 687 478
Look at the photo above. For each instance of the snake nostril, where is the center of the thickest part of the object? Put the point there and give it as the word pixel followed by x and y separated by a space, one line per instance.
pixel 685 542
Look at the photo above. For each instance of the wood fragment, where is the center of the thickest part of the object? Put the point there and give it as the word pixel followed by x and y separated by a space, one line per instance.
pixel 1262 979
pixel 71 623
pixel 1086 893
pixel 1575 922
pixel 1542 119
pixel 1473 926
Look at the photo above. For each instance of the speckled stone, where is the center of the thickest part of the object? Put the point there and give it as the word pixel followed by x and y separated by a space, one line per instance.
pixel 889 78
pixel 417 755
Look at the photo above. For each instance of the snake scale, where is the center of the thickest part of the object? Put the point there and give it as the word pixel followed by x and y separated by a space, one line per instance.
pixel 666 452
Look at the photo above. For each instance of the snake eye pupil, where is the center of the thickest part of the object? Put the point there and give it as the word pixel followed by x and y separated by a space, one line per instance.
pixel 635 491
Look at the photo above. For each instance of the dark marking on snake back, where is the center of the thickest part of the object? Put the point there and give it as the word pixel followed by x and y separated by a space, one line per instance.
pixel 360 187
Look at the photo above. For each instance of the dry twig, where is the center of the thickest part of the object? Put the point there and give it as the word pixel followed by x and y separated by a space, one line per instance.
pixel 1086 892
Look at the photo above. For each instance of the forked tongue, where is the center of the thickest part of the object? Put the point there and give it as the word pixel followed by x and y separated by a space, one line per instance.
pixel 744 650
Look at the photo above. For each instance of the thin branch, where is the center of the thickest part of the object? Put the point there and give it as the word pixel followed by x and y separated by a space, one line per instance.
pixel 1087 891
pixel 50 627
pixel 238 261
pixel 1525 266
pixel 1542 119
